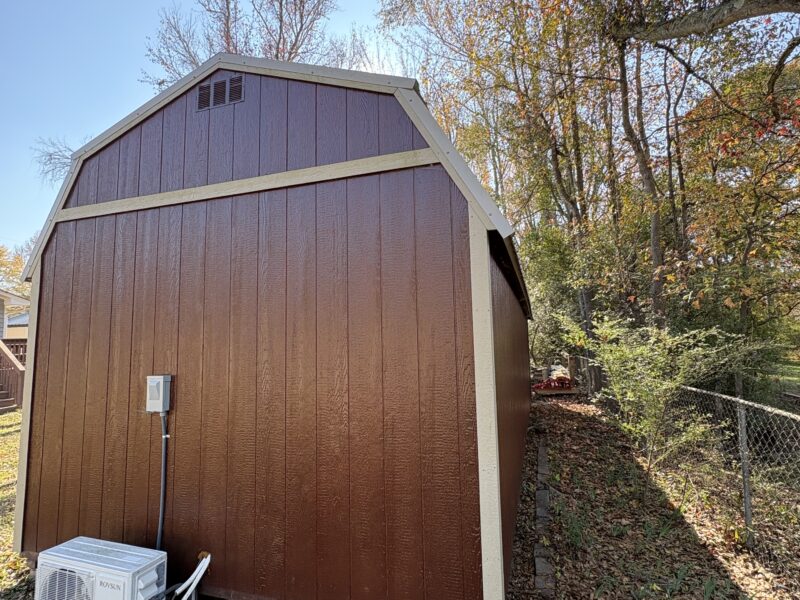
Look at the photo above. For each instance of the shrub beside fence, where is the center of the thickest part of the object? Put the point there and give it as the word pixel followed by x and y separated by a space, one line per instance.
pixel 748 468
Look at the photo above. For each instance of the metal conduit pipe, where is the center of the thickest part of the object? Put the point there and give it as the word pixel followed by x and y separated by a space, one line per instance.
pixel 163 496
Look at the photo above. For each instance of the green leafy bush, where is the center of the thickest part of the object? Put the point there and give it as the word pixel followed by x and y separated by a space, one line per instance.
pixel 646 368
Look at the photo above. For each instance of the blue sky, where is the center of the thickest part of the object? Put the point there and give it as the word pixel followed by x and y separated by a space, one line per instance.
pixel 73 69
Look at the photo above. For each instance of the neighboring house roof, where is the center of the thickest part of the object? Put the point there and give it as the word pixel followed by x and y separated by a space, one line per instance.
pixel 13 299
pixel 404 89
pixel 20 320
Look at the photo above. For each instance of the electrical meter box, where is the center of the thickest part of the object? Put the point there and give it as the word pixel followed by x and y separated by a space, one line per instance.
pixel 158 393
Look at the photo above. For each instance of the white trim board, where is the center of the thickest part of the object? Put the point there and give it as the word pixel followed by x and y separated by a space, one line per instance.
pixel 486 411
pixel 453 162
pixel 25 426
pixel 351 168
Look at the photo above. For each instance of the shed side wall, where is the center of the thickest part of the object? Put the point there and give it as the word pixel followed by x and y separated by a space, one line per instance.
pixel 323 418
pixel 512 371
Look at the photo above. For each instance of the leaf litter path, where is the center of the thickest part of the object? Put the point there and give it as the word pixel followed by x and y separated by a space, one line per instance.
pixel 615 533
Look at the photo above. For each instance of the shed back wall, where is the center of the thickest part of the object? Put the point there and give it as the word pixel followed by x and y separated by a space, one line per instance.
pixel 281 125
pixel 323 424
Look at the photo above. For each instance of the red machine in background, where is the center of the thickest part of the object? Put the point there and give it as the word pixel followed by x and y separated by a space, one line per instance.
pixel 557 382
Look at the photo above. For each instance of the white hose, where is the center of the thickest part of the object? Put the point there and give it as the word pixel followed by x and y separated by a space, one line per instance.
pixel 197 571
pixel 196 574
pixel 203 566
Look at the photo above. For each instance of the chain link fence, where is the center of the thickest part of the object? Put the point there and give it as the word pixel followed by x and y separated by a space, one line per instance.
pixel 745 467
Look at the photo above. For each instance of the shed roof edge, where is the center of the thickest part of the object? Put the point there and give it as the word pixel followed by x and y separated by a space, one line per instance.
pixel 404 89
pixel 261 66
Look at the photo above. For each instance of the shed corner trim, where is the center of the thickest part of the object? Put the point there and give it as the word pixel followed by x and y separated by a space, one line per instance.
pixel 25 426
pixel 486 411
pixel 453 162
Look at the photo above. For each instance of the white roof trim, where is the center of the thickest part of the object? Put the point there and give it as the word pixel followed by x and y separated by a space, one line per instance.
pixel 49 223
pixel 260 66
pixel 404 89
pixel 14 299
pixel 453 162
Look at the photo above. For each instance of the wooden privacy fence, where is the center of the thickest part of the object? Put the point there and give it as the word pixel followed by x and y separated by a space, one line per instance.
pixel 19 348
pixel 588 374
pixel 12 374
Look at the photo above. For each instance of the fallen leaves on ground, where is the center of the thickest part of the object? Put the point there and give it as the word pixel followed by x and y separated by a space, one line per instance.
pixel 15 583
pixel 618 533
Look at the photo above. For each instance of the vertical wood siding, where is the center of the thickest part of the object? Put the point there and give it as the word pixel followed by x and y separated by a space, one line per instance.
pixel 512 378
pixel 323 423
pixel 280 125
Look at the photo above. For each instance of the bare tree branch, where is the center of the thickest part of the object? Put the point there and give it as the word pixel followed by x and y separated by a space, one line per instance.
pixel 54 157
pixel 227 28
pixel 706 20
pixel 782 60
pixel 690 70
pixel 645 167
pixel 175 49
pixel 291 30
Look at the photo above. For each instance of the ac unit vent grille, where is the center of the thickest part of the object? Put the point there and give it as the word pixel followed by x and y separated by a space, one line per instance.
pixel 204 97
pixel 63 584
pixel 235 89
pixel 220 89
pixel 161 572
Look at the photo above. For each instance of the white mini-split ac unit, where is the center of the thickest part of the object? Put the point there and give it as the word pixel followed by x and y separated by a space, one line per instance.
pixel 88 569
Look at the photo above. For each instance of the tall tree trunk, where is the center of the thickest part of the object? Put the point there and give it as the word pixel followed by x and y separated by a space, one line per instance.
pixel 575 124
pixel 745 307
pixel 676 228
pixel 585 292
pixel 612 175
pixel 648 182
pixel 678 144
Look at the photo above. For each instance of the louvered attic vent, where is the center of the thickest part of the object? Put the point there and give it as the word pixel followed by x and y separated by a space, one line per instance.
pixel 220 93
pixel 204 97
pixel 220 87
pixel 235 89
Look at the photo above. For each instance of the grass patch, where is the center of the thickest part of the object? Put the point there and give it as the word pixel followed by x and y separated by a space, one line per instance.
pixel 790 376
pixel 14 574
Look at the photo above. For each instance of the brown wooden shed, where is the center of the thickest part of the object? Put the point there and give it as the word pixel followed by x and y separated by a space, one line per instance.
pixel 341 308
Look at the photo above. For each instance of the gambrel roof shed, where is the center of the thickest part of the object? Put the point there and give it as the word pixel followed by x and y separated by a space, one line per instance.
pixel 405 90
pixel 341 308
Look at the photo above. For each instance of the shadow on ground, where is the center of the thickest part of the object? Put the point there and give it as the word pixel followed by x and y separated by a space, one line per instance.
pixel 19 591
pixel 614 534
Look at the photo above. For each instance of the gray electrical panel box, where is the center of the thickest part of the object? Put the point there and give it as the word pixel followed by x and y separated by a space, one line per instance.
pixel 158 393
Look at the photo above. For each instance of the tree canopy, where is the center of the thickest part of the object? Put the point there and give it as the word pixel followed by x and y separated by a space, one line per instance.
pixel 646 152
pixel 12 263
